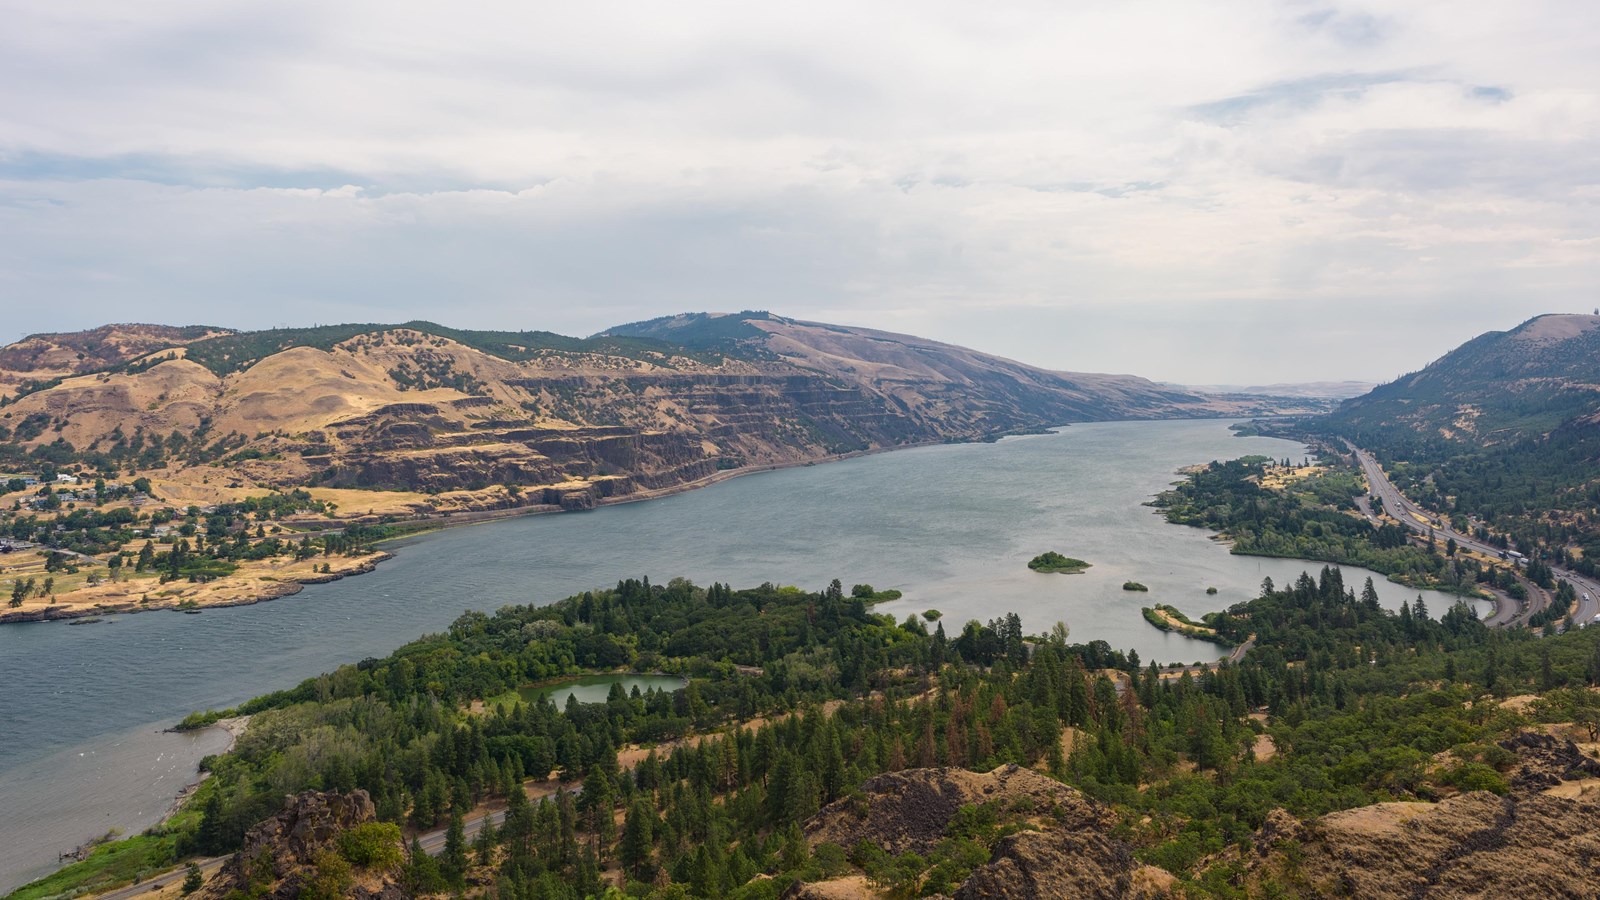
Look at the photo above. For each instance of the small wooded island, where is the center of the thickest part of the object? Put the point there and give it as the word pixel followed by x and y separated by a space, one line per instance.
pixel 1051 561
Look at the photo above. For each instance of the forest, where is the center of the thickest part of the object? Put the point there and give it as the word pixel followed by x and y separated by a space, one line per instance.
pixel 1532 494
pixel 795 698
pixel 1311 518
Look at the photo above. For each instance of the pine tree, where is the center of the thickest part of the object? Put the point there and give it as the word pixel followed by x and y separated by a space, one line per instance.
pixel 455 848
pixel 637 840
pixel 1369 597
pixel 484 842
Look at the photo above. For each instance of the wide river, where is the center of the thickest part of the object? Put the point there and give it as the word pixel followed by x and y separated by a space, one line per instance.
pixel 81 708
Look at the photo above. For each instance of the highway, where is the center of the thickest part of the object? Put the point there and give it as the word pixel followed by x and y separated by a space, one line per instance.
pixel 1417 519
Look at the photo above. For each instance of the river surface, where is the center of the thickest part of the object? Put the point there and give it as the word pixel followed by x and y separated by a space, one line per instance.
pixel 951 526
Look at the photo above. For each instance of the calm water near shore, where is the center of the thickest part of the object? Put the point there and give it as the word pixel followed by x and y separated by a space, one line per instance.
pixel 951 526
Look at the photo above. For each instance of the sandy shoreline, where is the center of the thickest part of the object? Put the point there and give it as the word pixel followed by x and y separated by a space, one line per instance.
pixel 251 585
pixel 235 727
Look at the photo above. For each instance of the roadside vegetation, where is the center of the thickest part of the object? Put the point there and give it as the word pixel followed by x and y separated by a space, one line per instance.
pixel 1315 517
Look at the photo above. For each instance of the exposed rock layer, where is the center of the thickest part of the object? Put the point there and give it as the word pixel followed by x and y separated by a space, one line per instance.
pixel 425 409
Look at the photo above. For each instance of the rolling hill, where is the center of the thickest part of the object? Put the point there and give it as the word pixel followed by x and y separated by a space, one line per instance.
pixel 442 418
pixel 1499 387
pixel 1504 429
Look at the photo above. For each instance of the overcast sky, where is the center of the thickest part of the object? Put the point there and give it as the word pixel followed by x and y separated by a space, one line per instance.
pixel 1200 192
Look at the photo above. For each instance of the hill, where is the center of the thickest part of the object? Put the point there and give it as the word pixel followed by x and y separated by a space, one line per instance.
pixel 429 410
pixel 1498 387
pixel 928 380
pixel 1499 434
pixel 1308 390
pixel 820 750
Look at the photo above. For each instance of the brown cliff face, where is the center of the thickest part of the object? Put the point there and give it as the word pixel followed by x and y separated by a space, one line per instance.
pixel 572 422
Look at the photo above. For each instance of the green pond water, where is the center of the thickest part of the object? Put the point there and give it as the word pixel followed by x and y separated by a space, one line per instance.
pixel 595 688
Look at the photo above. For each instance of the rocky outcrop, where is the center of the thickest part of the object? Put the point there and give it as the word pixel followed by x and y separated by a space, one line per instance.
pixel 1055 863
pixel 1530 843
pixel 1067 851
pixel 284 848
pixel 1544 761
pixel 909 811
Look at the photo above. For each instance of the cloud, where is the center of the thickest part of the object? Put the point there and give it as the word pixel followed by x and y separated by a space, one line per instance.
pixel 1159 169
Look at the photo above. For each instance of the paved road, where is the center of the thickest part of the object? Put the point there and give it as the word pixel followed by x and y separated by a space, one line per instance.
pixel 1406 513
pixel 161 881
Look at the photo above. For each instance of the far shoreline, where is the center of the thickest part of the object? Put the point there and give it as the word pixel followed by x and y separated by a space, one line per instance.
pixel 425 525
pixel 433 524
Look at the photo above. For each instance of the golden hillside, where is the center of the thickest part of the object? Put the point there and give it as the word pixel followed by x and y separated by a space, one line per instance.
pixel 429 410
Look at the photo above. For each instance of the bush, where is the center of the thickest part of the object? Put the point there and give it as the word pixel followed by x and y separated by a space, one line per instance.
pixel 1475 776
pixel 372 845
pixel 332 880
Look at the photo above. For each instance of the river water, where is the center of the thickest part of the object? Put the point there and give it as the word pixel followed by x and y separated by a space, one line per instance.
pixel 952 526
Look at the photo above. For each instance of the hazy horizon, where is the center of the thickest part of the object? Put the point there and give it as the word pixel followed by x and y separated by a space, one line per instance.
pixel 1234 193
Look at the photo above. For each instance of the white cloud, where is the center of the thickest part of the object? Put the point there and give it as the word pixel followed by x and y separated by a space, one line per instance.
pixel 1153 168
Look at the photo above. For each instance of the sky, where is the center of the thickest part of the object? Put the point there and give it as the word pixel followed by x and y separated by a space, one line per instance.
pixel 1220 192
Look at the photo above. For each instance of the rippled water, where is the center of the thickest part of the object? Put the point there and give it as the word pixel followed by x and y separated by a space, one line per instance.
pixel 951 526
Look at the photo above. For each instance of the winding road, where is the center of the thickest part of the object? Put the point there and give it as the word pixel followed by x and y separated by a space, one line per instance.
pixel 1423 522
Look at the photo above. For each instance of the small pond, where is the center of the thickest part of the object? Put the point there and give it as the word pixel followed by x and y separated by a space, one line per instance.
pixel 595 688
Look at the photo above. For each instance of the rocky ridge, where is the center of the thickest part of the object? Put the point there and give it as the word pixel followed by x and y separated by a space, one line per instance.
pixel 1529 843
pixel 571 423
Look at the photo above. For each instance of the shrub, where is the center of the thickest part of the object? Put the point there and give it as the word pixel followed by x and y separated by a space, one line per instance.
pixel 372 845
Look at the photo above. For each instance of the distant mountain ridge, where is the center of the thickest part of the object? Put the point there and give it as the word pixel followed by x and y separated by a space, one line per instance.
pixel 1504 429
pixel 1500 386
pixel 1310 390
pixel 476 418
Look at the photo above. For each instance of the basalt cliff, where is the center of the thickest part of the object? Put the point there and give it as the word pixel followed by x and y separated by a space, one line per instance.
pixel 420 418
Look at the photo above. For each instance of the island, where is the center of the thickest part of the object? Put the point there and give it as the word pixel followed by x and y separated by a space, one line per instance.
pixel 1170 618
pixel 1133 586
pixel 1051 561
